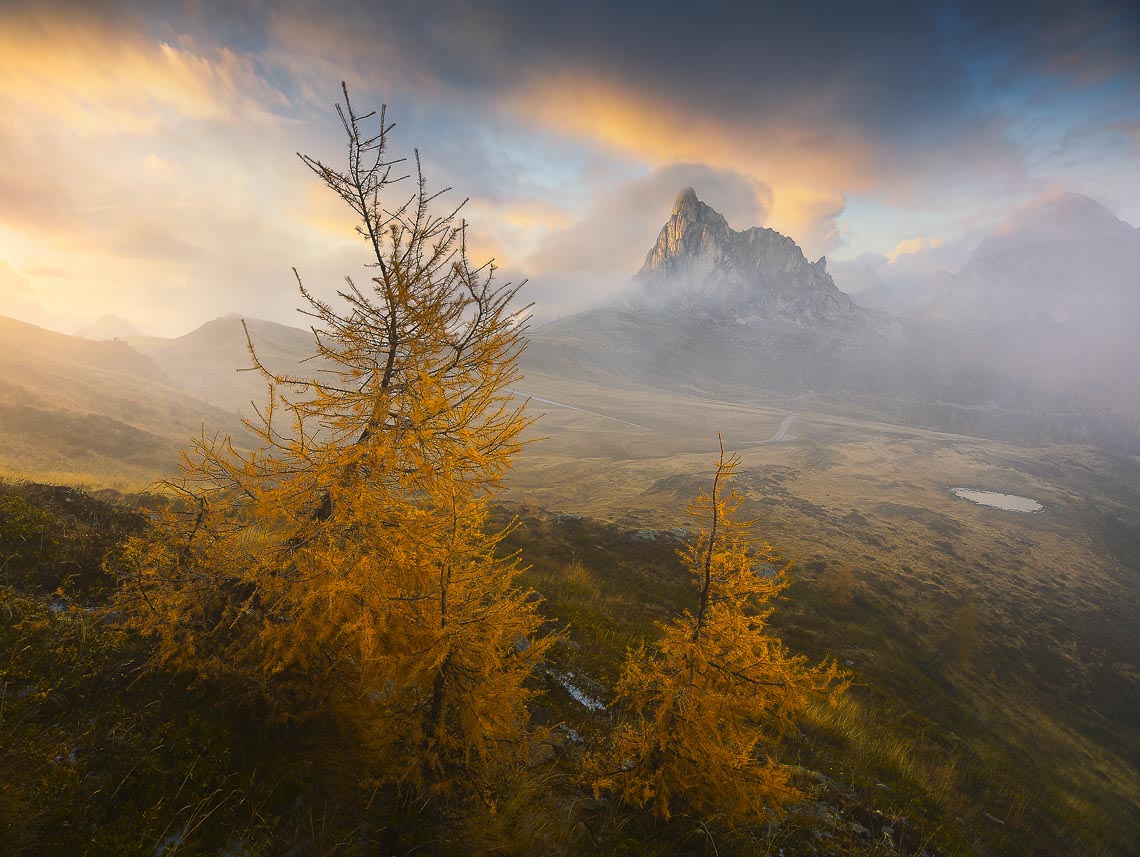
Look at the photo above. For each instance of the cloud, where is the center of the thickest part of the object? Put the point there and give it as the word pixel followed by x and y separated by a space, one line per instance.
pixel 143 172
pixel 819 104
pixel 101 75
pixel 911 105
pixel 795 162
pixel 861 275
pixel 811 218
pixel 895 280
pixel 911 246
pixel 14 290
pixel 17 300
pixel 812 162
pixel 1079 45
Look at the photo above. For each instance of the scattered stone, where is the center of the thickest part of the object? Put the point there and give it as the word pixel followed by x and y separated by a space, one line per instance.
pixel 571 733
pixel 645 535
pixel 571 684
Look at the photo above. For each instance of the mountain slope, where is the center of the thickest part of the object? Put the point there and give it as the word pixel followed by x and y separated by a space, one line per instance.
pixel 1067 259
pixel 205 362
pixel 75 408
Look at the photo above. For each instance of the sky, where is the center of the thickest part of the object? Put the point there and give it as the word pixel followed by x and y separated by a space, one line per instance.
pixel 148 163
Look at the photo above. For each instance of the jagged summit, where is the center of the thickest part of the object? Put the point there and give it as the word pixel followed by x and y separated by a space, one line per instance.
pixel 687 196
pixel 699 261
pixel 694 231
pixel 689 206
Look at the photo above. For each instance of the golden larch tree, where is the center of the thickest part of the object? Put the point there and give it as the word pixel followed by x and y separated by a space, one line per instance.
pixel 346 565
pixel 702 710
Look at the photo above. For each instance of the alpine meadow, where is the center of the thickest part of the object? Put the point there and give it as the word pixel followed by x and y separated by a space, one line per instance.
pixel 742 459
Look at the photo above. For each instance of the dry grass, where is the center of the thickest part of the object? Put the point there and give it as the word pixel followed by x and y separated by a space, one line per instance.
pixel 1036 730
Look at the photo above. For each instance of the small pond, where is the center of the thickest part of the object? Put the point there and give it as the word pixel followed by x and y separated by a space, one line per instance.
pixel 1008 502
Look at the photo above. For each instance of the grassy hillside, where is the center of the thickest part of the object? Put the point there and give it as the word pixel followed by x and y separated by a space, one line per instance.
pixel 95 752
pixel 994 654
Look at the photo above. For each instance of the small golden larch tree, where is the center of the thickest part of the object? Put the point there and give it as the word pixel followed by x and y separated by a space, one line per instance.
pixel 703 709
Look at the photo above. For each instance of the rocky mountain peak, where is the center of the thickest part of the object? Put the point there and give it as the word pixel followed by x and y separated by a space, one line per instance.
pixel 700 262
pixel 693 230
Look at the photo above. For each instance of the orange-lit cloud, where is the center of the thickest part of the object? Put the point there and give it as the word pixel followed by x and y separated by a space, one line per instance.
pixel 509 230
pixel 15 295
pixel 802 166
pixel 646 124
pixel 316 206
pixel 534 214
pixel 101 77
pixel 910 246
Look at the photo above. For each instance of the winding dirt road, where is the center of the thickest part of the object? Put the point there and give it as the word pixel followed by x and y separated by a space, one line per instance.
pixel 780 434
pixel 579 410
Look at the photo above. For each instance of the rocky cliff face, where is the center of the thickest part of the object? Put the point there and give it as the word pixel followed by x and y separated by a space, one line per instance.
pixel 700 263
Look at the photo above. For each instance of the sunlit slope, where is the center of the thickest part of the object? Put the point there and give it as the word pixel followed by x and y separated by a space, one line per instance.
pixel 76 410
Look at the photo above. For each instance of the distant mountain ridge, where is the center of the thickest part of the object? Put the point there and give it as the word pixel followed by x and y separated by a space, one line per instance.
pixel 1065 259
pixel 71 407
pixel 700 261
pixel 206 362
